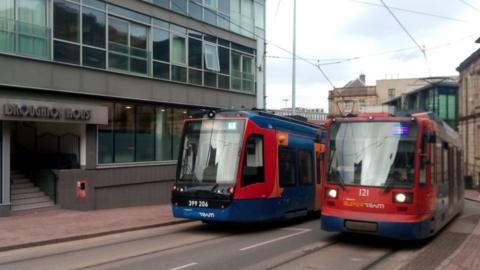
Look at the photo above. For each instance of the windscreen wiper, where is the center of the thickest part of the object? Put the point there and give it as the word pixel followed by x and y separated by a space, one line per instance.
pixel 388 185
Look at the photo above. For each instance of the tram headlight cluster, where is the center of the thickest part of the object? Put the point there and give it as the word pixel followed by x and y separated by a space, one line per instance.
pixel 403 197
pixel 331 193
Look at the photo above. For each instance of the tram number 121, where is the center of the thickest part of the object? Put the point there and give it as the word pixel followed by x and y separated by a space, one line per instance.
pixel 363 192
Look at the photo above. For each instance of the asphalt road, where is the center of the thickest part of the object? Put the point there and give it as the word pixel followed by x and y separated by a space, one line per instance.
pixel 298 244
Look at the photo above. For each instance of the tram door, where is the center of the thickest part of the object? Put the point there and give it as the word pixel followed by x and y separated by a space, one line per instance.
pixel 319 155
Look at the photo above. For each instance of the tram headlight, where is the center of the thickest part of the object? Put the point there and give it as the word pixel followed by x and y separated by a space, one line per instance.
pixel 403 197
pixel 331 193
pixel 400 197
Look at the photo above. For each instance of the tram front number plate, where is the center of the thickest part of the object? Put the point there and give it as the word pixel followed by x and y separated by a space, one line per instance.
pixel 197 203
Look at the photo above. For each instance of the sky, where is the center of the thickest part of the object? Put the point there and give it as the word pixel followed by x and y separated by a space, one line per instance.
pixel 366 39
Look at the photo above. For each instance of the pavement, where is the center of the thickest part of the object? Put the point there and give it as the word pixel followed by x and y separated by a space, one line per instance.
pixel 61 225
pixel 467 256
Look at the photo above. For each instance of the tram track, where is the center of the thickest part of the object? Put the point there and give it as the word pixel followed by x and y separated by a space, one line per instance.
pixel 115 244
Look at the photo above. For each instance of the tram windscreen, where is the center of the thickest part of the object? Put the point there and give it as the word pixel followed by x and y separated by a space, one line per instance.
pixel 372 153
pixel 211 151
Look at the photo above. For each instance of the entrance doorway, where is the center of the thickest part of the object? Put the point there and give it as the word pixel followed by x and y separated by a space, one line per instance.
pixel 37 149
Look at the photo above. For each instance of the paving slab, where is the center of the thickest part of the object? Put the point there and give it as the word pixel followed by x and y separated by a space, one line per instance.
pixel 59 225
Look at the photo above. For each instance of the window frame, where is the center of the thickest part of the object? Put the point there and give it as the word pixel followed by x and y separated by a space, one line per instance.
pixel 293 153
pixel 310 170
pixel 244 162
pixel 215 66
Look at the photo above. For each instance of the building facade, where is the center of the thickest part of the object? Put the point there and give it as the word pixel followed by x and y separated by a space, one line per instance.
pixel 94 93
pixel 439 97
pixel 469 115
pixel 352 98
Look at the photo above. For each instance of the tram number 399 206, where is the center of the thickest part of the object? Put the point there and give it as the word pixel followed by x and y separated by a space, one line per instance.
pixel 195 203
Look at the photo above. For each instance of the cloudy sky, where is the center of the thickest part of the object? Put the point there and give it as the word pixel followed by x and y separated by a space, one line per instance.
pixel 339 30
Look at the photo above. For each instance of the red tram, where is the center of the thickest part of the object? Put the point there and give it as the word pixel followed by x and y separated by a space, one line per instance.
pixel 397 177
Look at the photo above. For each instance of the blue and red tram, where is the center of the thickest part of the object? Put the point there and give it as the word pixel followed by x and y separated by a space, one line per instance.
pixel 397 177
pixel 247 166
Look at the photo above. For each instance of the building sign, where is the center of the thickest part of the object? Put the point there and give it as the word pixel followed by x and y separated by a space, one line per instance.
pixel 29 110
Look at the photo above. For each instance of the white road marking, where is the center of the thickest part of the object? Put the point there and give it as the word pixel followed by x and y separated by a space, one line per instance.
pixel 300 231
pixel 184 266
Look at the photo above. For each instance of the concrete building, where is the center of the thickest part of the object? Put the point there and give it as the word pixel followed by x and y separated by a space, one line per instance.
pixel 469 114
pixel 388 89
pixel 93 93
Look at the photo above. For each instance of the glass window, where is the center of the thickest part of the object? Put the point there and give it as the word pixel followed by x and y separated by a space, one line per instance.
pixel 145 133
pixel 124 132
pixel 211 151
pixel 179 6
pixel 179 74
pixel 224 60
pixel 163 134
pixel 224 6
pixel 223 20
pixel 66 21
pixel 195 9
pixel 7 25
pixel 195 76
pixel 378 154
pixel 160 23
pixel 162 3
pixel 94 3
pixel 195 53
pixel 391 93
pixel 117 61
pixel 305 167
pixel 93 57
pixel 442 107
pixel 253 169
pixel 161 70
pixel 259 15
pixel 236 71
pixel 105 138
pixel 287 166
pixel 93 22
pixel 161 45
pixel 179 115
pixel 179 53
pixel 211 3
pixel 138 40
pixel 223 82
pixel 210 16
pixel 247 73
pixel 117 35
pixel 129 14
pixel 452 107
pixel 211 57
pixel 138 48
pixel 66 52
pixel 210 79
pixel 33 36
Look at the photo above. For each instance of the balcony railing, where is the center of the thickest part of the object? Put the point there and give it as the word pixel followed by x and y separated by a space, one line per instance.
pixel 24 39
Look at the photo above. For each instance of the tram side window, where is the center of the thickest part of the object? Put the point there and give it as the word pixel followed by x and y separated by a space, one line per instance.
pixel 253 169
pixel 305 167
pixel 438 163
pixel 287 166
pixel 446 168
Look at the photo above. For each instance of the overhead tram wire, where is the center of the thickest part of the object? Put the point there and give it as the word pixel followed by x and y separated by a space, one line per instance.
pixel 421 48
pixel 334 61
pixel 470 5
pixel 414 11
